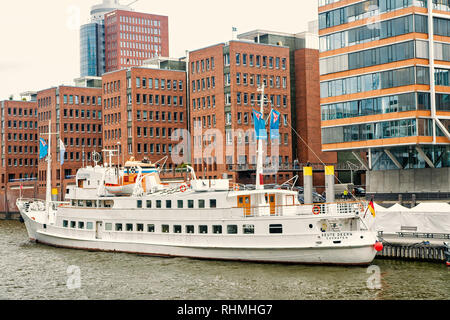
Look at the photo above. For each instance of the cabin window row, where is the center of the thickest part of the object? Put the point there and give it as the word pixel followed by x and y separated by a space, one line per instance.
pixel 180 204
pixel 78 225
pixel 190 229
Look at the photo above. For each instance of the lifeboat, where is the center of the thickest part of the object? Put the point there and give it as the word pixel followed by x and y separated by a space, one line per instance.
pixel 127 183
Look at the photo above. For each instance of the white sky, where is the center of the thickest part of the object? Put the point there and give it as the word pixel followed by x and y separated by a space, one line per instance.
pixel 39 39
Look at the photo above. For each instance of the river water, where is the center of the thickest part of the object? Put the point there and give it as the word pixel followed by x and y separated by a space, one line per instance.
pixel 33 271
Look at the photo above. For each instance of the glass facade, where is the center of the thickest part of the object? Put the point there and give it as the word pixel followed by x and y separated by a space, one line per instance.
pixel 88 49
pixel 380 105
pixel 375 81
pixel 357 93
pixel 362 10
pixel 410 158
pixel 92 50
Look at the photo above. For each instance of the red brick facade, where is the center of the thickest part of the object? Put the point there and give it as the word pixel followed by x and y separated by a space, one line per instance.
pixel 229 76
pixel 142 109
pixel 308 120
pixel 76 114
pixel 132 37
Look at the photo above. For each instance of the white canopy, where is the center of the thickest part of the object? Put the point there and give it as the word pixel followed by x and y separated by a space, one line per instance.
pixel 425 218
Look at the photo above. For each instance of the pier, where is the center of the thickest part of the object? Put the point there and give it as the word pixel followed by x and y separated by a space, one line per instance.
pixel 427 247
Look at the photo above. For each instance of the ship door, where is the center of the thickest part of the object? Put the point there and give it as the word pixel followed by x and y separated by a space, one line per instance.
pixel 272 204
pixel 98 229
pixel 244 202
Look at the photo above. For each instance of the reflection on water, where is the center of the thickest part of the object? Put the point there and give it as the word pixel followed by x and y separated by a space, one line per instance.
pixel 33 271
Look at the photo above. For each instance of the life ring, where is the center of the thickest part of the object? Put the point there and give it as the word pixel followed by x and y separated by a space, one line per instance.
pixel 316 210
pixel 183 188
pixel 236 187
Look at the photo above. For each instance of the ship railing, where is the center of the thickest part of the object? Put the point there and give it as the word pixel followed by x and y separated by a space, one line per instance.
pixel 321 209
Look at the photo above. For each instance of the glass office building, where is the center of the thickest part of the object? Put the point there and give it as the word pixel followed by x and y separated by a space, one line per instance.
pixel 91 53
pixel 385 86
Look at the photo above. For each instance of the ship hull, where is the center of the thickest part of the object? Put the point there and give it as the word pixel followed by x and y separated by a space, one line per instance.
pixel 342 255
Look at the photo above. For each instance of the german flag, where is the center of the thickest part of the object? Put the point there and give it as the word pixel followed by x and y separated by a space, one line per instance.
pixel 372 208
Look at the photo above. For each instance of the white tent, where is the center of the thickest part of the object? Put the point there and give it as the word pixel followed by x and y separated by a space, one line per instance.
pixel 425 218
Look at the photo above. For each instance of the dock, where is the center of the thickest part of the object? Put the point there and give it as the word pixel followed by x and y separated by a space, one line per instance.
pixel 429 247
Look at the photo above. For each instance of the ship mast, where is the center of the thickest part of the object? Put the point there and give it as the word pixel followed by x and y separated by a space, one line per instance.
pixel 259 161
pixel 48 195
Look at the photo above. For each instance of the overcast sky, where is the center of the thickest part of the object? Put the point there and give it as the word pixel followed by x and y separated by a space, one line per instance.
pixel 39 39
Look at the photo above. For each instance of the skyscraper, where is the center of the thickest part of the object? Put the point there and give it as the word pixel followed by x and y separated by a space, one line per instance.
pixel 133 37
pixel 384 69
pixel 92 39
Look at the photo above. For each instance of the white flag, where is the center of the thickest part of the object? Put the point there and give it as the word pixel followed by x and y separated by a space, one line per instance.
pixel 62 151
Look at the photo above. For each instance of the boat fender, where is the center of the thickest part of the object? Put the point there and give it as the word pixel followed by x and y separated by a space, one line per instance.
pixel 316 210
pixel 361 207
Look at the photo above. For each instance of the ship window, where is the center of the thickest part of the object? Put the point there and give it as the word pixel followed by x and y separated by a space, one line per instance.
pixel 213 203
pixel 80 225
pixel 118 227
pixel 73 224
pixel 201 204
pixel 276 228
pixel 191 204
pixel 65 224
pixel 158 204
pixel 232 229
pixel 248 229
pixel 165 228
pixel 80 203
pixel 129 227
pixel 189 229
pixel 150 228
pixel 89 203
pixel 177 229
pixel 108 226
pixel 168 204
pixel 149 204
pixel 140 227
pixel 89 226
pixel 180 204
pixel 109 203
pixel 217 229
pixel 203 229
pixel 139 203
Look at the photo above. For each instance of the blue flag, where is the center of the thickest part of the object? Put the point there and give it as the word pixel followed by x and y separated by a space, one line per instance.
pixel 43 149
pixel 260 125
pixel 274 125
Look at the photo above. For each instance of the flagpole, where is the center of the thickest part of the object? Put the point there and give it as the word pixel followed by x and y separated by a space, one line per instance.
pixel 48 196
pixel 259 163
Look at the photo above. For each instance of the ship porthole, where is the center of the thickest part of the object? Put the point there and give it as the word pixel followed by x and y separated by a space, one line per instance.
pixel 310 226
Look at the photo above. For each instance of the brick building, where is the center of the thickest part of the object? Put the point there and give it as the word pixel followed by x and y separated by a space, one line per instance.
pixel 224 79
pixel 304 97
pixel 142 108
pixel 133 37
pixel 19 150
pixel 76 117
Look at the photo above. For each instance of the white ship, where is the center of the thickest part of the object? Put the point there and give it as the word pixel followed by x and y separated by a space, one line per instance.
pixel 206 219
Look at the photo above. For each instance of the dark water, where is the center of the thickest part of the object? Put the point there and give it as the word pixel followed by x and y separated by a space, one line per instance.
pixel 33 271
